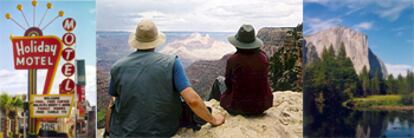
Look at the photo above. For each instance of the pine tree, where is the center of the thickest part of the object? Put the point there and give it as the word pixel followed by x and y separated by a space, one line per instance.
pixel 286 63
pixel 410 81
pixel 276 69
pixel 364 78
pixel 402 85
pixel 391 86
pixel 342 51
pixel 333 78
pixel 405 86
pixel 376 83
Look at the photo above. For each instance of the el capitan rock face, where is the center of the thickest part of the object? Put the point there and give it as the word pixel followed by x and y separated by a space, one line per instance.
pixel 356 46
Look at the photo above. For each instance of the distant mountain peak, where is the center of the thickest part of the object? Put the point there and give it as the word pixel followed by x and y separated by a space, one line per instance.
pixel 197 47
pixel 198 36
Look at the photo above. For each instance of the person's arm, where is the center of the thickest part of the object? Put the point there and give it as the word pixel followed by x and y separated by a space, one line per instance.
pixel 228 76
pixel 111 88
pixel 193 100
pixel 197 105
pixel 108 114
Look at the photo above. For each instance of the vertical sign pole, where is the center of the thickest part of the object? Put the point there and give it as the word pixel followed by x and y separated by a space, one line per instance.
pixel 32 90
pixel 33 78
pixel 76 115
pixel 25 124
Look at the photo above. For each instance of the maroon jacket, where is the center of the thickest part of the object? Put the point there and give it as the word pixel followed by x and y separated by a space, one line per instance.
pixel 248 90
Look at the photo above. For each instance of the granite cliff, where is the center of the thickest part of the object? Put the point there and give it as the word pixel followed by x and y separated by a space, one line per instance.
pixel 356 47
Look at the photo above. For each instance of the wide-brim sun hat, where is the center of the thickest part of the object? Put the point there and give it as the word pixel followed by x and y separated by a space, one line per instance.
pixel 245 38
pixel 146 36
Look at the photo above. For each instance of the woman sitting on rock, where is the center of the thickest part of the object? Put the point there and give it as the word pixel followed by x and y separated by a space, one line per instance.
pixel 248 90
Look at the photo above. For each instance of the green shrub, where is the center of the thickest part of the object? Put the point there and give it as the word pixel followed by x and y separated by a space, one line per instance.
pixel 408 99
pixel 101 118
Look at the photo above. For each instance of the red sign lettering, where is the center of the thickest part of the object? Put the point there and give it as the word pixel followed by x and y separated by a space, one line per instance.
pixel 68 69
pixel 69 24
pixel 69 39
pixel 37 52
pixel 68 54
pixel 67 86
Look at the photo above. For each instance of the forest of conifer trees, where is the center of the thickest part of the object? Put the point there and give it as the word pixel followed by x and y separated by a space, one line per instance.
pixel 332 80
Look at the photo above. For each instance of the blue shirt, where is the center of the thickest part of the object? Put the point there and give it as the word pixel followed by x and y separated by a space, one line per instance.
pixel 180 78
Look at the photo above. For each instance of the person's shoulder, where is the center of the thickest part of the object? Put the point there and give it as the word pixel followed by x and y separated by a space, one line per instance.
pixel 262 54
pixel 126 59
pixel 233 56
pixel 120 62
pixel 165 55
pixel 171 58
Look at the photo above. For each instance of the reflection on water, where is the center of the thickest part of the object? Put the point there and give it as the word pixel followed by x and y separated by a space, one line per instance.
pixel 400 128
pixel 343 122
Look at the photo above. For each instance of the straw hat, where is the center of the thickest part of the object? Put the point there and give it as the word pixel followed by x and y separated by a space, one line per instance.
pixel 146 36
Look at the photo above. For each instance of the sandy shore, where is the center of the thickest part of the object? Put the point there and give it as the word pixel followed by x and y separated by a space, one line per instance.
pixel 283 120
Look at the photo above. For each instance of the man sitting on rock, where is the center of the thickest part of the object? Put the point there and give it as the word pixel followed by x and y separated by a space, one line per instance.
pixel 147 86
pixel 246 79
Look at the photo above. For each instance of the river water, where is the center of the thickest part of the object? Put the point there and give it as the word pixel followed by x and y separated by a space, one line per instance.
pixel 342 122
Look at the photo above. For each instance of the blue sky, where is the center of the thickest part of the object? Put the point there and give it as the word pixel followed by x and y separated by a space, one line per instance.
pixel 389 25
pixel 83 11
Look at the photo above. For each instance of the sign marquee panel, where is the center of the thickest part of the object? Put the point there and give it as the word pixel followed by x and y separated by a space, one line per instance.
pixel 51 105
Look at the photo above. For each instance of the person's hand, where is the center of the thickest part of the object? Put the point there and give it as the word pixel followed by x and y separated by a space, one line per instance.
pixel 218 120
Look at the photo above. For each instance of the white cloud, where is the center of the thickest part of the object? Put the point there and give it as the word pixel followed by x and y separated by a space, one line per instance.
pixel 402 30
pixel 13 82
pixel 90 90
pixel 388 9
pixel 396 69
pixel 195 15
pixel 392 9
pixel 317 24
pixel 364 26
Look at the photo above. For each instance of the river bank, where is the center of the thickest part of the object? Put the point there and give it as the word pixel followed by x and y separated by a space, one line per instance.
pixel 378 102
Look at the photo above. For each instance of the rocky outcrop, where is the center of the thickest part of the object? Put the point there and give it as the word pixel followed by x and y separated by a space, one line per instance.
pixel 376 64
pixel 283 120
pixel 273 38
pixel 356 47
